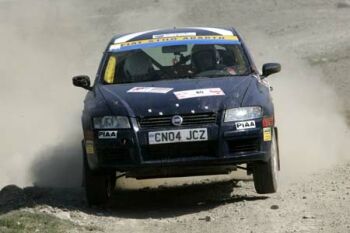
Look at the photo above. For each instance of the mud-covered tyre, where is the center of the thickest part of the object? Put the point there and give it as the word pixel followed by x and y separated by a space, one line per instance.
pixel 98 187
pixel 265 174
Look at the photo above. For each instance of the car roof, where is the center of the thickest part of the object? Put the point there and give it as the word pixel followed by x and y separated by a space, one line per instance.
pixel 184 31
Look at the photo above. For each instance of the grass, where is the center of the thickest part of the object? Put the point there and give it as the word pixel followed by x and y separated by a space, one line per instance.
pixel 22 221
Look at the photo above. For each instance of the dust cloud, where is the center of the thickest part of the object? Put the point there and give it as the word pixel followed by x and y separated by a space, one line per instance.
pixel 313 132
pixel 44 43
pixel 40 110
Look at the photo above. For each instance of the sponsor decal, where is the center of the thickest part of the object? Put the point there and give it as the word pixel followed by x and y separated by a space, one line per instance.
pixel 157 90
pixel 198 93
pixel 176 40
pixel 174 34
pixel 245 125
pixel 131 36
pixel 89 147
pixel 267 134
pixel 107 134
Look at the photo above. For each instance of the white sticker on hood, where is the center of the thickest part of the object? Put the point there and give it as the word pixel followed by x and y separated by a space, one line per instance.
pixel 158 90
pixel 198 93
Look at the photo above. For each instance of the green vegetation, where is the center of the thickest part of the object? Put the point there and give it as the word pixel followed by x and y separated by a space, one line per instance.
pixel 22 221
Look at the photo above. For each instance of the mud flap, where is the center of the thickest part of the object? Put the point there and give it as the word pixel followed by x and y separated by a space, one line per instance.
pixel 83 181
pixel 278 148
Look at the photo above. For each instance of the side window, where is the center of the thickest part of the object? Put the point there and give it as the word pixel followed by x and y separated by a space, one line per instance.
pixel 109 75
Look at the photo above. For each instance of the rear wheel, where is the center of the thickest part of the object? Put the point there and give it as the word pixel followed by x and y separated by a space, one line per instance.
pixel 265 174
pixel 98 186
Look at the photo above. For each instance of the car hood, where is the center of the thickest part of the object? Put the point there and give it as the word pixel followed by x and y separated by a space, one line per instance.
pixel 140 104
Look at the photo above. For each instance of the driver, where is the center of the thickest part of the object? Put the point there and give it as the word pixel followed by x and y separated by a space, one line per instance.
pixel 204 58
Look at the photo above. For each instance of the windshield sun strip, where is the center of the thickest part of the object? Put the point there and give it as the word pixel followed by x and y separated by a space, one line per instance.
pixel 119 48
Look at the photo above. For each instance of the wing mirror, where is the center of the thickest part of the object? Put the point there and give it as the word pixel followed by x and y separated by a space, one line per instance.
pixel 270 68
pixel 82 81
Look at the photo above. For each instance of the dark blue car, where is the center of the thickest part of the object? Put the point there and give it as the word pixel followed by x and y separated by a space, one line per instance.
pixel 177 102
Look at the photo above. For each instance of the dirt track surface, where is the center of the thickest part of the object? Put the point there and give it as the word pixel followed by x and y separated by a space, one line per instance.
pixel 310 37
pixel 320 203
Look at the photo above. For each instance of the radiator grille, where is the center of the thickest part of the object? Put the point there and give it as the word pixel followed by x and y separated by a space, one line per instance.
pixel 190 119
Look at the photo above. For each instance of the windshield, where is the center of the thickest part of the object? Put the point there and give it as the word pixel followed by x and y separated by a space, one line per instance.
pixel 175 61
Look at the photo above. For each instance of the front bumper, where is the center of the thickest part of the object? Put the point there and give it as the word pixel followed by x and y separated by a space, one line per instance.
pixel 225 146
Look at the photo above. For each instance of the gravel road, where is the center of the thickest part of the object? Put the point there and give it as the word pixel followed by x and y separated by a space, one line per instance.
pixel 45 43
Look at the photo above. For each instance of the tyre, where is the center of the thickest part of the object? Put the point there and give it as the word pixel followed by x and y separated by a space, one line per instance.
pixel 98 187
pixel 265 173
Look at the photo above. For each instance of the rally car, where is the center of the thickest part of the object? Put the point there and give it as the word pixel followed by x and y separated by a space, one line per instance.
pixel 177 102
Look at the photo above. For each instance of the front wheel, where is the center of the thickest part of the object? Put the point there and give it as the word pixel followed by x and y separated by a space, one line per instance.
pixel 98 187
pixel 265 173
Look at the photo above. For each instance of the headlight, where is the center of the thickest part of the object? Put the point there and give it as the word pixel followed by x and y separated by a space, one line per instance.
pixel 111 122
pixel 244 113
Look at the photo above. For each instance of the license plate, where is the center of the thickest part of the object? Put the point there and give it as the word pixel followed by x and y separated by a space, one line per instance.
pixel 175 136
